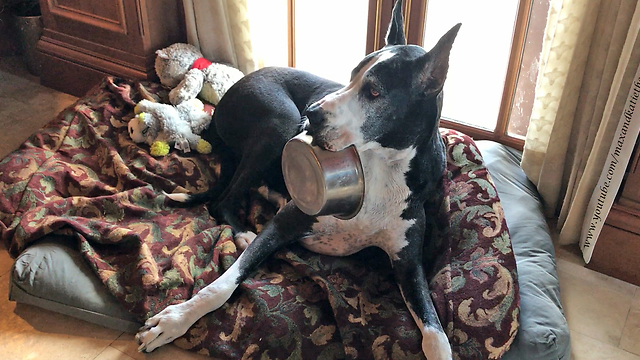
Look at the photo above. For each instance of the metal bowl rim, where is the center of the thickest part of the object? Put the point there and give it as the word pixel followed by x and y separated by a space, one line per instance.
pixel 322 172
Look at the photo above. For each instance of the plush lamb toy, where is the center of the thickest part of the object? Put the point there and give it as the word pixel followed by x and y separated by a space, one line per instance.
pixel 183 68
pixel 160 125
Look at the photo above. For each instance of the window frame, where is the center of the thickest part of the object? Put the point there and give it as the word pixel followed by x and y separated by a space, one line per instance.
pixel 414 13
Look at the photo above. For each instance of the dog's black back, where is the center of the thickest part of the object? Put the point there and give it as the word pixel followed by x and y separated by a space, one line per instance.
pixel 250 139
pixel 275 98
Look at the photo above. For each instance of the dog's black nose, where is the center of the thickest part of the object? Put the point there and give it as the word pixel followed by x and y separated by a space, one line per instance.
pixel 315 114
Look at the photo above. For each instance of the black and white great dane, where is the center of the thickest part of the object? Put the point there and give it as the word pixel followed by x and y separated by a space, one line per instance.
pixel 390 111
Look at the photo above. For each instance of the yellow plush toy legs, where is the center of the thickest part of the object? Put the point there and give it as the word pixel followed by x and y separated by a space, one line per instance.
pixel 203 147
pixel 159 148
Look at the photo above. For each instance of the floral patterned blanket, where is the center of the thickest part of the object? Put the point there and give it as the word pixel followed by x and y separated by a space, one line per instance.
pixel 82 175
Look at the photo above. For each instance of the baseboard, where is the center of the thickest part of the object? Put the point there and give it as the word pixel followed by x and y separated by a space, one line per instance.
pixel 69 77
pixel 75 71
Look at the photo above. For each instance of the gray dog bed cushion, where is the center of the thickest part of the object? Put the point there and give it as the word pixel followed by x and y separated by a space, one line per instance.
pixel 543 333
pixel 52 274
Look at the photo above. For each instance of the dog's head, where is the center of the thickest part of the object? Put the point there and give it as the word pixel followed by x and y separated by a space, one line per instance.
pixel 393 97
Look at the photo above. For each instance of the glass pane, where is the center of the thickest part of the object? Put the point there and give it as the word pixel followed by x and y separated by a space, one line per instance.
pixel 269 28
pixel 528 75
pixel 479 59
pixel 330 36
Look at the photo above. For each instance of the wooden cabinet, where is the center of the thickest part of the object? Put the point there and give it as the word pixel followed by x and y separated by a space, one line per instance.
pixel 84 40
pixel 617 252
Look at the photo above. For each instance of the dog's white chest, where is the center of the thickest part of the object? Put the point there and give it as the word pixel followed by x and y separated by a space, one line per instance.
pixel 379 222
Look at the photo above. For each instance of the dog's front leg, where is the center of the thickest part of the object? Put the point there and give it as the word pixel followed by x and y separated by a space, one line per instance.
pixel 287 226
pixel 410 275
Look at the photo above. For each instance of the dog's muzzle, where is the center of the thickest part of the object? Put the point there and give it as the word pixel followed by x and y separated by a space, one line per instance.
pixel 316 117
pixel 316 114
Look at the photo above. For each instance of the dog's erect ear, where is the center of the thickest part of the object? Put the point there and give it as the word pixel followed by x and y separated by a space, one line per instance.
pixel 395 33
pixel 436 62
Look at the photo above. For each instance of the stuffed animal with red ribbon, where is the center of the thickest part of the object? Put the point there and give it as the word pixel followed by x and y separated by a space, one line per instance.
pixel 183 68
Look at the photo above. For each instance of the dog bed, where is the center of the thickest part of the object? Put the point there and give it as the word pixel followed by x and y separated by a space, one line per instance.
pixel 544 332
pixel 94 238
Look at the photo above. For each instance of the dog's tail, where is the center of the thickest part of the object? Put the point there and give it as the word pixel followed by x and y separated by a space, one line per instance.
pixel 187 200
pixel 210 197
pixel 228 166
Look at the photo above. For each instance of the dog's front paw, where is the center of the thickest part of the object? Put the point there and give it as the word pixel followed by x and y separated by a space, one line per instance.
pixel 435 345
pixel 162 329
pixel 243 239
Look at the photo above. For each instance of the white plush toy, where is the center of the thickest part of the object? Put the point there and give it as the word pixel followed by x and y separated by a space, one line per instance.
pixel 183 68
pixel 161 125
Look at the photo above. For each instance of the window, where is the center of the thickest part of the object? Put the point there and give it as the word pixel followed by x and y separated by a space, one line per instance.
pixel 310 35
pixel 494 63
pixel 479 58
pixel 493 66
pixel 328 42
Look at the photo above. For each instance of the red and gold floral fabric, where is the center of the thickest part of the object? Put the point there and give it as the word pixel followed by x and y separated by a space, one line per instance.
pixel 83 176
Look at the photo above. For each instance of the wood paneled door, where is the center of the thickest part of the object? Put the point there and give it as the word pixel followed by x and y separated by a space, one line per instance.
pixel 84 40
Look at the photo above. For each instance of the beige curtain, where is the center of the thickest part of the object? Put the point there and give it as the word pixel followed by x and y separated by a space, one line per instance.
pixel 220 28
pixel 589 58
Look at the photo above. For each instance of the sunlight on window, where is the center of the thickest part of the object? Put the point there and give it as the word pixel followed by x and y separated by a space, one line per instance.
pixel 330 35
pixel 479 59
pixel 268 22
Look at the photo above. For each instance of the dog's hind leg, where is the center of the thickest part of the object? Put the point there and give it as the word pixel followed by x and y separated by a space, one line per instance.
pixel 273 197
pixel 260 155
pixel 243 239
pixel 287 226
pixel 213 194
pixel 249 174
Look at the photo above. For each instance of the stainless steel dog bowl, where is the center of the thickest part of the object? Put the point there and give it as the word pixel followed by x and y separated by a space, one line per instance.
pixel 323 182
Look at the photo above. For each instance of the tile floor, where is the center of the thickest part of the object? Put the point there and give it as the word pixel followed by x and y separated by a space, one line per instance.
pixel 603 312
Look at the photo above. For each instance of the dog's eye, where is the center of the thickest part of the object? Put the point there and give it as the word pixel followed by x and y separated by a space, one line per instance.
pixel 370 91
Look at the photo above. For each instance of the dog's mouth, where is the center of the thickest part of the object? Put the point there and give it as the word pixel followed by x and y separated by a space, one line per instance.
pixel 324 140
pixel 311 131
pixel 324 136
pixel 316 129
pixel 317 139
pixel 322 144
